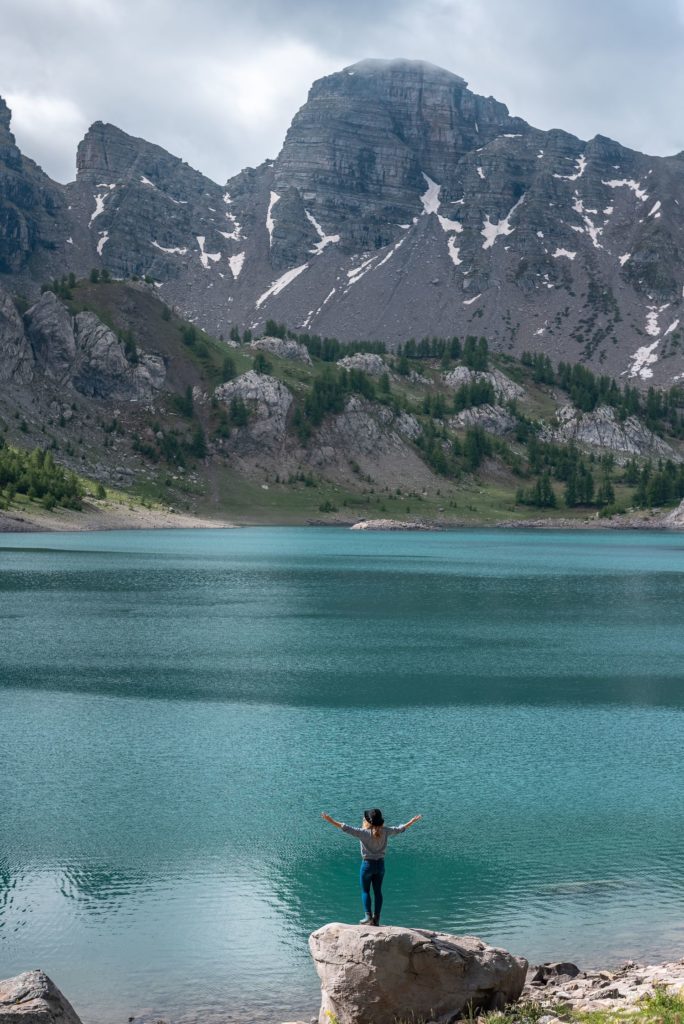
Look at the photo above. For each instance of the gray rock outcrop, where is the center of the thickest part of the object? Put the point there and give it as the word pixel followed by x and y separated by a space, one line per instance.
pixel 83 353
pixel 370 362
pixel 268 401
pixel 491 418
pixel 51 332
pixel 32 998
pixel 285 348
pixel 381 975
pixel 103 369
pixel 16 355
pixel 505 389
pixel 602 429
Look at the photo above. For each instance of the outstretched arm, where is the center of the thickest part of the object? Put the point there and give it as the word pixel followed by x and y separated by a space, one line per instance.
pixel 413 821
pixel 326 817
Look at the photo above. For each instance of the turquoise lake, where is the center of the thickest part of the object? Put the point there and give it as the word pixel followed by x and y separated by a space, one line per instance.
pixel 177 708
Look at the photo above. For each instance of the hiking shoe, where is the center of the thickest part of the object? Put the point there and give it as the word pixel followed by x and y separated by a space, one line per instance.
pixel 376 922
pixel 367 920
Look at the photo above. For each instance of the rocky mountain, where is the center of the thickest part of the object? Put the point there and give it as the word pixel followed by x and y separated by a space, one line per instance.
pixel 401 204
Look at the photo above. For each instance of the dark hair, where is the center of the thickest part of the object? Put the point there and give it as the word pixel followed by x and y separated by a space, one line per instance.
pixel 375 819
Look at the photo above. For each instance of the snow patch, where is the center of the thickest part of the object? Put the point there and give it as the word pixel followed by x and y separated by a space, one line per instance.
pixel 580 165
pixel 206 257
pixel 454 251
pixel 235 263
pixel 642 361
pixel 70 241
pixel 102 241
pixel 430 198
pixel 673 327
pixel 99 198
pixel 654 209
pixel 356 273
pixel 469 302
pixel 282 282
pixel 564 252
pixel 491 231
pixel 515 135
pixel 324 239
pixel 482 174
pixel 171 251
pixel 274 198
pixel 608 210
pixel 146 181
pixel 623 259
pixel 635 186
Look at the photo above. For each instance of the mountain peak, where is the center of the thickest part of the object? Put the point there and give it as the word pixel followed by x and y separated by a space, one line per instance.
pixel 5 115
pixel 401 66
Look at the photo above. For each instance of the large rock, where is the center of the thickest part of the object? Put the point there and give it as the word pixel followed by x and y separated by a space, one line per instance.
pixel 381 975
pixel 31 998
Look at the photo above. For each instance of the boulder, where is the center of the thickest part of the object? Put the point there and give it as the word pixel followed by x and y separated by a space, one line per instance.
pixel 285 348
pixel 381 975
pixel 31 998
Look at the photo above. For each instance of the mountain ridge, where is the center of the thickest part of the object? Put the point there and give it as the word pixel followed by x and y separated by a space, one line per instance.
pixel 400 205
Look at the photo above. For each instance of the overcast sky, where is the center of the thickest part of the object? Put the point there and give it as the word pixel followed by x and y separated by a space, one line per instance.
pixel 218 81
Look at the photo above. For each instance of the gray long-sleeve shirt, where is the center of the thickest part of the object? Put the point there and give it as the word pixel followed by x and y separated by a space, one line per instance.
pixel 373 847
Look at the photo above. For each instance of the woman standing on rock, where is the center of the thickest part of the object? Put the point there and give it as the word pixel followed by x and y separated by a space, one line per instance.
pixel 373 836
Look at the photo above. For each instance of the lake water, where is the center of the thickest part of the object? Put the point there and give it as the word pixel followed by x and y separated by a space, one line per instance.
pixel 176 708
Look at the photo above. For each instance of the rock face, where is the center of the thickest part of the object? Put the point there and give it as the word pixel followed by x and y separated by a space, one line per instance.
pixel 381 975
pixel 268 402
pixel 401 204
pixel 64 353
pixel 601 429
pixel 284 348
pixel 31 998
pixel 375 439
pixel 16 356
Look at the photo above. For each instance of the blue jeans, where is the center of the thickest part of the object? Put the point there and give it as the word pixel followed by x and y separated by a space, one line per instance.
pixel 372 874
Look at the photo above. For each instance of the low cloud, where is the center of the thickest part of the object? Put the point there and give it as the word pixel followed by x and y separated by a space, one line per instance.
pixel 217 82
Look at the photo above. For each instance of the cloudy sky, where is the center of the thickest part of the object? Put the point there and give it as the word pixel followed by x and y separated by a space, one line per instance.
pixel 217 81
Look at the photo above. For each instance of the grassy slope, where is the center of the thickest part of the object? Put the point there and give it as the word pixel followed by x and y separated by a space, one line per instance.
pixel 216 488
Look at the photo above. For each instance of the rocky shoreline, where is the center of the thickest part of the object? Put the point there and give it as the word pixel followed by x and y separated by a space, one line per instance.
pixel 564 984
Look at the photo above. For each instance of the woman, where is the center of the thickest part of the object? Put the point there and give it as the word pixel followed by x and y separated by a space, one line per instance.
pixel 373 836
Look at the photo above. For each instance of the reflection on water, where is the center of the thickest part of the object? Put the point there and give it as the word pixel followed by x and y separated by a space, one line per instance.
pixel 178 708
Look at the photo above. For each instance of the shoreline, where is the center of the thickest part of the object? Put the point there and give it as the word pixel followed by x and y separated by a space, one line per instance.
pixel 111 515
